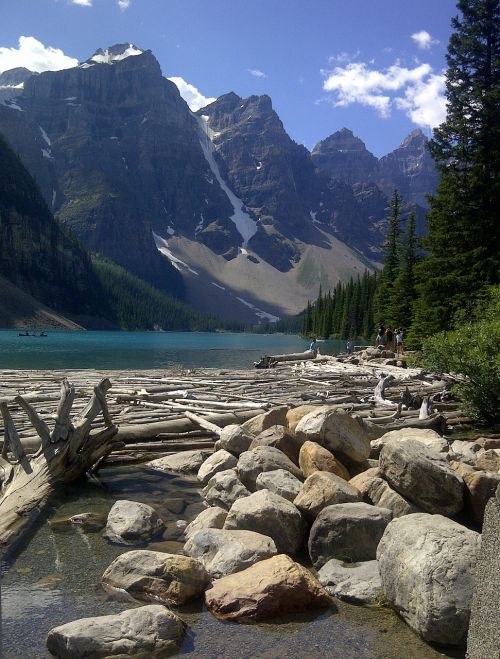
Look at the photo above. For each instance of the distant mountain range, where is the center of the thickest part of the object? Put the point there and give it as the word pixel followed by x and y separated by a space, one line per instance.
pixel 221 207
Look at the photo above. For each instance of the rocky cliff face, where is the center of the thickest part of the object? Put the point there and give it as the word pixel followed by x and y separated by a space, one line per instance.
pixel 345 157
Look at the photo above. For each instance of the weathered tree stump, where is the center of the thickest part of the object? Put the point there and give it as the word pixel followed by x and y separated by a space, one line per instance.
pixel 72 449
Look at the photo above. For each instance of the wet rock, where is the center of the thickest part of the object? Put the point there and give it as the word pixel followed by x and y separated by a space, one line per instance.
pixel 267 513
pixel 132 523
pixel 323 489
pixel 357 583
pixel 347 531
pixel 89 522
pixel 263 458
pixel 223 552
pixel 270 588
pixel 422 476
pixel 235 439
pixel 218 461
pixel 224 489
pixel 427 567
pixel 279 437
pixel 211 518
pixel 157 577
pixel 280 482
pixel 314 457
pixel 275 417
pixel 148 631
pixel 381 494
pixel 185 462
pixel 348 437
pixel 429 438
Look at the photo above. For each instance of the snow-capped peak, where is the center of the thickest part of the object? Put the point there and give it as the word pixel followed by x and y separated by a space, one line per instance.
pixel 115 53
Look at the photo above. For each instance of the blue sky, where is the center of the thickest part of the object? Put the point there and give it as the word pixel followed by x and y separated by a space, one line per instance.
pixel 372 66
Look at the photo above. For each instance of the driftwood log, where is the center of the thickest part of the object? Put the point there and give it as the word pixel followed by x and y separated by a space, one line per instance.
pixel 67 452
pixel 271 361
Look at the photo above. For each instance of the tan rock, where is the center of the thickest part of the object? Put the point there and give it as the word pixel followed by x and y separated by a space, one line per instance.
pixel 281 438
pixel 489 460
pixel 480 486
pixel 314 457
pixel 294 415
pixel 321 489
pixel 363 481
pixel 275 417
pixel 268 589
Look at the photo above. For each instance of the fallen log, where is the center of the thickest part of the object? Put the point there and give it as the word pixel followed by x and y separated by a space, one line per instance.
pixel 67 452
pixel 270 361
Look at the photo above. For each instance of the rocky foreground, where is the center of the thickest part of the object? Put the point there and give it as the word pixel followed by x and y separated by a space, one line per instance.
pixel 306 505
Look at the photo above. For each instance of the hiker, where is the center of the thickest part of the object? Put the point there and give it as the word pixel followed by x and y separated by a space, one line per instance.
pixel 349 346
pixel 399 341
pixel 389 335
pixel 380 336
pixel 314 347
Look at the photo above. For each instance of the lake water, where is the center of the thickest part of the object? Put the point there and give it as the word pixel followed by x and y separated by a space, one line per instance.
pixel 117 350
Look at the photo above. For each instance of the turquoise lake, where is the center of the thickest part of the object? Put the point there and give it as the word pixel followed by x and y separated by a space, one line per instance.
pixel 121 350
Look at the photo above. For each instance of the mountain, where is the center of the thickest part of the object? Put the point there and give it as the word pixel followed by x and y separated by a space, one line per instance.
pixel 344 157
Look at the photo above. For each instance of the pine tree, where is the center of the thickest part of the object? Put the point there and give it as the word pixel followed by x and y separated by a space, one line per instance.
pixel 384 300
pixel 463 239
pixel 404 284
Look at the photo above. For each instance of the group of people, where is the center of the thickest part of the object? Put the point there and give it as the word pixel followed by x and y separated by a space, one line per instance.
pixel 390 339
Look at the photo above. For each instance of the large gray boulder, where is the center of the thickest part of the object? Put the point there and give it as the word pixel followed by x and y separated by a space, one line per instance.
pixel 148 631
pixel 210 518
pixel 158 577
pixel 381 494
pixel 323 489
pixel 223 489
pixel 263 458
pixel 223 552
pixel 349 532
pixel 347 436
pixel 274 417
pixel 280 482
pixel 357 583
pixel 429 438
pixel 281 438
pixel 185 462
pixel 422 476
pixel 218 461
pixel 132 523
pixel 271 515
pixel 235 439
pixel 427 565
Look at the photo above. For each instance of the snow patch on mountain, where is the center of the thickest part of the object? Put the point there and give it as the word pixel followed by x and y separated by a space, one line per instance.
pixel 258 312
pixel 162 246
pixel 110 55
pixel 245 225
pixel 45 136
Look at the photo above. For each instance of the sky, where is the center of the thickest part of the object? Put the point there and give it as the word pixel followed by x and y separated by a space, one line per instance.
pixel 374 66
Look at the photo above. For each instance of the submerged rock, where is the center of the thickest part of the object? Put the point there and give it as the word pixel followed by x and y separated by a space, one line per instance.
pixel 155 576
pixel 132 523
pixel 218 461
pixel 270 588
pixel 358 583
pixel 223 552
pixel 427 565
pixel 148 631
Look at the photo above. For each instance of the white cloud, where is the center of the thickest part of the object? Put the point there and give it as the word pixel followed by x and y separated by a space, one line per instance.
pixel 257 73
pixel 33 55
pixel 418 91
pixel 424 40
pixel 82 3
pixel 124 4
pixel 193 97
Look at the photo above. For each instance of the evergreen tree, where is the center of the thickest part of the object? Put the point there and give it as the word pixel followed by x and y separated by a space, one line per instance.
pixel 384 300
pixel 463 237
pixel 404 284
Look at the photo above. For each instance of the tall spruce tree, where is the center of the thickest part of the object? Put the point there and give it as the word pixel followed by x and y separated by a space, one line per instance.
pixel 404 295
pixel 463 238
pixel 384 299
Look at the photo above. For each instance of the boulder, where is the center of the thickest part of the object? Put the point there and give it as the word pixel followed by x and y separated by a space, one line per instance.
pixel 268 589
pixel 363 480
pixel 218 461
pixel 348 437
pixel 427 566
pixel 427 437
pixel 422 476
pixel 89 522
pixel 279 437
pixel 480 486
pixel 223 552
pixel 489 460
pixel 132 523
pixel 464 451
pixel 294 415
pixel 263 458
pixel 381 494
pixel 280 482
pixel 154 576
pixel 235 439
pixel 211 518
pixel 224 489
pixel 314 457
pixel 357 583
pixel 347 531
pixel 185 462
pixel 323 489
pixel 267 513
pixel 275 417
pixel 148 631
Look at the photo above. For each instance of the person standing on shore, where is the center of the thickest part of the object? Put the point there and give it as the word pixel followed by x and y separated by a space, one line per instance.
pixel 399 341
pixel 380 336
pixel 389 335
pixel 313 347
pixel 349 346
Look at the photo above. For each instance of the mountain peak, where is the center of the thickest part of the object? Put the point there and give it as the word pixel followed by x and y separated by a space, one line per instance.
pixel 415 138
pixel 113 54
pixel 342 141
